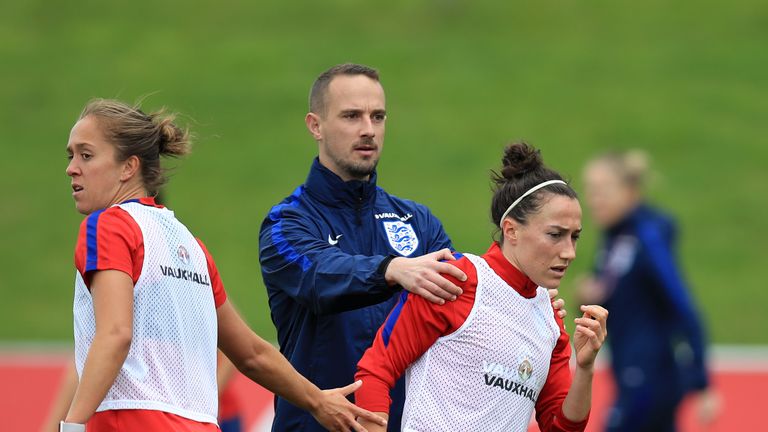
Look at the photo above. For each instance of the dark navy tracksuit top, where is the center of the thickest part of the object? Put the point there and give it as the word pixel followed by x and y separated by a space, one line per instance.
pixel 320 251
pixel 656 337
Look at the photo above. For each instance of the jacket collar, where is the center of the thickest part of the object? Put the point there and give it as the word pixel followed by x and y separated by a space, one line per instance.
pixel 325 186
pixel 509 273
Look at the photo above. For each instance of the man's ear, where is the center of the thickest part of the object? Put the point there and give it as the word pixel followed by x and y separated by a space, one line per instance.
pixel 312 121
pixel 131 167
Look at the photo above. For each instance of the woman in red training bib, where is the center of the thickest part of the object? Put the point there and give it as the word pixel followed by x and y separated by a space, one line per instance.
pixel 499 352
pixel 150 308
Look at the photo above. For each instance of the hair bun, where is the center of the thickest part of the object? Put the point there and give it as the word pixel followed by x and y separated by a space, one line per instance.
pixel 168 133
pixel 636 165
pixel 172 140
pixel 518 160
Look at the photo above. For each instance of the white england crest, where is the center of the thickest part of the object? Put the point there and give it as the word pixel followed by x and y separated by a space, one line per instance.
pixel 401 237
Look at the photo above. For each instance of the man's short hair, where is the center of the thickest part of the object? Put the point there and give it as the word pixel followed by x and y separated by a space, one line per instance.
pixel 320 87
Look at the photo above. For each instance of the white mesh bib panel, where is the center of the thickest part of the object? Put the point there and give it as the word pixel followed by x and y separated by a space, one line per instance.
pixel 487 375
pixel 171 364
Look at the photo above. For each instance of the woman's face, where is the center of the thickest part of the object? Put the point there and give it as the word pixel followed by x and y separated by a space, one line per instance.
pixel 608 197
pixel 545 246
pixel 93 167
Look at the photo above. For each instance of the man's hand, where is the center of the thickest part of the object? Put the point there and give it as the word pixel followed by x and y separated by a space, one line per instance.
pixel 557 303
pixel 422 276
pixel 336 413
pixel 374 427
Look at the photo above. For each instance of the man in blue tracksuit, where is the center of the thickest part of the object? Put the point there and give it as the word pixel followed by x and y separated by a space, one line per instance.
pixel 656 339
pixel 334 252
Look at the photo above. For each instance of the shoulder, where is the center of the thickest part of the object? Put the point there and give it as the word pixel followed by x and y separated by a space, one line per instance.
pixel 464 264
pixel 648 217
pixel 109 239
pixel 654 227
pixel 112 218
pixel 290 204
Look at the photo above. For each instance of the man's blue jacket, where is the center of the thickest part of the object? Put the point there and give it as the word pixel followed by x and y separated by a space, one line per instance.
pixel 321 251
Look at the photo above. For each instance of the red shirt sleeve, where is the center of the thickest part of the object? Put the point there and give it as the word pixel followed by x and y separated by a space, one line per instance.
pixel 112 240
pixel 549 405
pixel 109 240
pixel 410 329
pixel 219 295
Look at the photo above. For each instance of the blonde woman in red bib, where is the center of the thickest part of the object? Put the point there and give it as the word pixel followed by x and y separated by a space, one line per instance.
pixel 499 353
pixel 150 307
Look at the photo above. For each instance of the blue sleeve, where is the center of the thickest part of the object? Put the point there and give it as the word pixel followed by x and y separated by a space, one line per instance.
pixel 294 259
pixel 675 292
pixel 438 239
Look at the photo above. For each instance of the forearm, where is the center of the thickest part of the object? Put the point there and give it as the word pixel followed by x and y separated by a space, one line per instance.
pixel 330 282
pixel 578 402
pixel 346 284
pixel 270 369
pixel 264 364
pixel 63 399
pixel 225 370
pixel 105 358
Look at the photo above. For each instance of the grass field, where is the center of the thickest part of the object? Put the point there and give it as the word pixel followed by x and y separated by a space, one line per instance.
pixel 686 80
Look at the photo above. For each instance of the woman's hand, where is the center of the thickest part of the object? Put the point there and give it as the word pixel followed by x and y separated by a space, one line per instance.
pixel 591 331
pixel 336 413
pixel 557 303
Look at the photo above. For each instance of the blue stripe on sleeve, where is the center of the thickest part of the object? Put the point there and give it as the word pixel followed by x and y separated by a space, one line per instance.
pixel 286 250
pixel 282 245
pixel 277 211
pixel 663 263
pixel 389 325
pixel 665 267
pixel 92 251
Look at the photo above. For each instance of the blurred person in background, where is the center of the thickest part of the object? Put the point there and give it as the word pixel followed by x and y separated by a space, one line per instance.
pixel 657 342
pixel 150 307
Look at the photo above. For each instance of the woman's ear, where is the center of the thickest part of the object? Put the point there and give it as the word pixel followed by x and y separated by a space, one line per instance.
pixel 130 168
pixel 510 229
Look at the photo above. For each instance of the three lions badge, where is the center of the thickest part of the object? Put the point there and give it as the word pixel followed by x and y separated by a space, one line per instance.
pixel 401 237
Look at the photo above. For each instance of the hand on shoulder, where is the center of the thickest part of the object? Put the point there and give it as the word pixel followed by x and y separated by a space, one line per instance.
pixel 423 276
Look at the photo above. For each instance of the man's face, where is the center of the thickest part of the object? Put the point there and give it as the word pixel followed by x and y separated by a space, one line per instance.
pixel 350 133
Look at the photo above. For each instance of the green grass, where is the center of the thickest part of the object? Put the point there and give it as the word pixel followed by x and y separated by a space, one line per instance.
pixel 685 80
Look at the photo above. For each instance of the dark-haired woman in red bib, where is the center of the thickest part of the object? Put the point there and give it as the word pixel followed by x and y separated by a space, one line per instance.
pixel 499 353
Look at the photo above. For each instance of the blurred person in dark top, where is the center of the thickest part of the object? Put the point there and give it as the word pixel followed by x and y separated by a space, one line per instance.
pixel 658 352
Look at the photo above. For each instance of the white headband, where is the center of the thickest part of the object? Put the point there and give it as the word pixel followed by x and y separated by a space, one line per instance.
pixel 530 191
